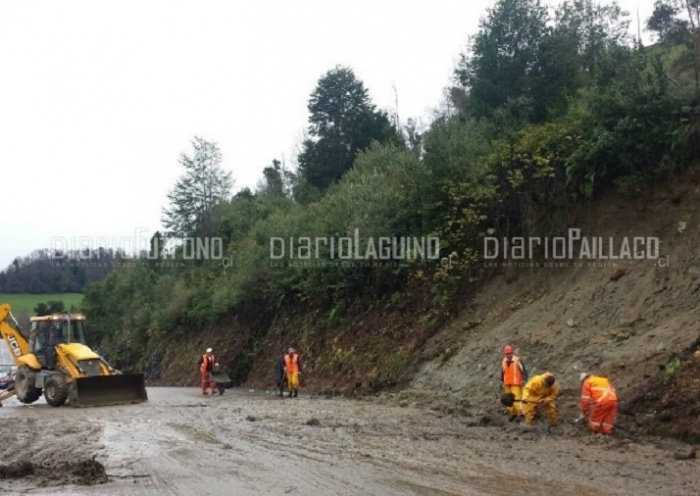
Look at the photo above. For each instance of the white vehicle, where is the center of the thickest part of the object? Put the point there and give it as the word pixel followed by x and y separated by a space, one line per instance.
pixel 7 375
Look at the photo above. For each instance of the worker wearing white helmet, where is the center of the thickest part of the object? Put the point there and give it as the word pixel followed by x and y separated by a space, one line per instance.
pixel 598 403
pixel 206 363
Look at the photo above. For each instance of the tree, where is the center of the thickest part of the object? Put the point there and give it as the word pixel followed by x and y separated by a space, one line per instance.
pixel 196 193
pixel 679 20
pixel 503 55
pixel 525 65
pixel 664 21
pixel 343 122
pixel 414 131
pixel 49 308
pixel 273 182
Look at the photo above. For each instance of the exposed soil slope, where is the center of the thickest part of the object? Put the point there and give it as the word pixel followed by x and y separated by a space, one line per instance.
pixel 626 319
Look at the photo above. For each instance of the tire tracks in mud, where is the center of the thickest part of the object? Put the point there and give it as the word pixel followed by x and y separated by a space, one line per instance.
pixel 54 453
pixel 251 443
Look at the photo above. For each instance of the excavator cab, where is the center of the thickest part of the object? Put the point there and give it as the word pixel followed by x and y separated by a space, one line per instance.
pixel 48 331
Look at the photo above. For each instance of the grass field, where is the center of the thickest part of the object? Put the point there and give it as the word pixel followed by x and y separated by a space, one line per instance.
pixel 23 304
pixel 23 308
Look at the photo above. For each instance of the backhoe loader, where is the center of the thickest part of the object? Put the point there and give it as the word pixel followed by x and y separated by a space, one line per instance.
pixel 56 360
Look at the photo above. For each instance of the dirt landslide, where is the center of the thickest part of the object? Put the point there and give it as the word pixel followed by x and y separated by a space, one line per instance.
pixel 670 405
pixel 634 320
pixel 244 442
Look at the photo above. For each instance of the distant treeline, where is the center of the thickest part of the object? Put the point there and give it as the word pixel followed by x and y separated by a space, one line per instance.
pixel 51 271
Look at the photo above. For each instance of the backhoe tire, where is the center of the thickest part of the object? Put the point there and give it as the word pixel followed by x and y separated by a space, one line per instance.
pixel 56 390
pixel 24 385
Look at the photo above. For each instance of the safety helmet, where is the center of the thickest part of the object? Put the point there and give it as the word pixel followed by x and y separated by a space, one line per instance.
pixel 290 350
pixel 209 350
pixel 549 380
pixel 583 376
pixel 508 349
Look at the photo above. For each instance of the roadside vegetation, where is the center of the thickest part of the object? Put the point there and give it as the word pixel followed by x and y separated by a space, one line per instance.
pixel 548 109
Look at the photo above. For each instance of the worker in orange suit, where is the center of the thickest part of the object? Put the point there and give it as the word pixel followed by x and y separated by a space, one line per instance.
pixel 292 367
pixel 540 390
pixel 513 376
pixel 598 403
pixel 206 363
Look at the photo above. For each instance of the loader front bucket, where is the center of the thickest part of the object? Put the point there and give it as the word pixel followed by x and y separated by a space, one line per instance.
pixel 103 390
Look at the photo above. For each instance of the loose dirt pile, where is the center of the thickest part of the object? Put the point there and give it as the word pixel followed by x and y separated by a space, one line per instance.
pixel 48 452
pixel 85 472
pixel 16 470
pixel 670 404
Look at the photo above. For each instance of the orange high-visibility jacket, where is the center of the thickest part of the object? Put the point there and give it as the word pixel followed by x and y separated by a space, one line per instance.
pixel 292 363
pixel 596 389
pixel 207 363
pixel 513 372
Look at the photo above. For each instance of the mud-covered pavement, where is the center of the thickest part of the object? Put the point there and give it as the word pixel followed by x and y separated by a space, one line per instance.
pixel 246 442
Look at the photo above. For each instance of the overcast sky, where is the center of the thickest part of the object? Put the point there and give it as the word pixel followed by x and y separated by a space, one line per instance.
pixel 98 99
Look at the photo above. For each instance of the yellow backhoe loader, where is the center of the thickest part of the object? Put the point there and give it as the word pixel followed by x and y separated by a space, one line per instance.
pixel 56 360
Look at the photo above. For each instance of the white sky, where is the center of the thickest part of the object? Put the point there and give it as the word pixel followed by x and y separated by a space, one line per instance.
pixel 98 100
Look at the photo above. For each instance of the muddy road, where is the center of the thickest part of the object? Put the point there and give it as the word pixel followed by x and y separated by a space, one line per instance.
pixel 244 442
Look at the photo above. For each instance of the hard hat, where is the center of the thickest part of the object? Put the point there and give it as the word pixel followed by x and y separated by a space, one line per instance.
pixel 583 376
pixel 290 350
pixel 508 349
pixel 209 350
pixel 549 380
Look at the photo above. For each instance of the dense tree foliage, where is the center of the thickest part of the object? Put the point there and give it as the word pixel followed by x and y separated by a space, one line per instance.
pixel 678 21
pixel 49 307
pixel 526 62
pixel 549 110
pixel 505 59
pixel 275 180
pixel 342 122
pixel 54 271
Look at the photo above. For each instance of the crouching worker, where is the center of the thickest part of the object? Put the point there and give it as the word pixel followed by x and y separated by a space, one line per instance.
pixel 598 403
pixel 206 367
pixel 540 390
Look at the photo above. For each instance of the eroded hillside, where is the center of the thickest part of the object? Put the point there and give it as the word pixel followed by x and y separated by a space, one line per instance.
pixel 636 321
pixel 629 319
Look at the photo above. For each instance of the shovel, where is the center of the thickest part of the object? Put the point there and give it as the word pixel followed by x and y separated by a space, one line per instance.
pixel 508 399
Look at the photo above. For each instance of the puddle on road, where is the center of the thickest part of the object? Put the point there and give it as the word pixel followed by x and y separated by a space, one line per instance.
pixel 193 434
pixel 121 442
